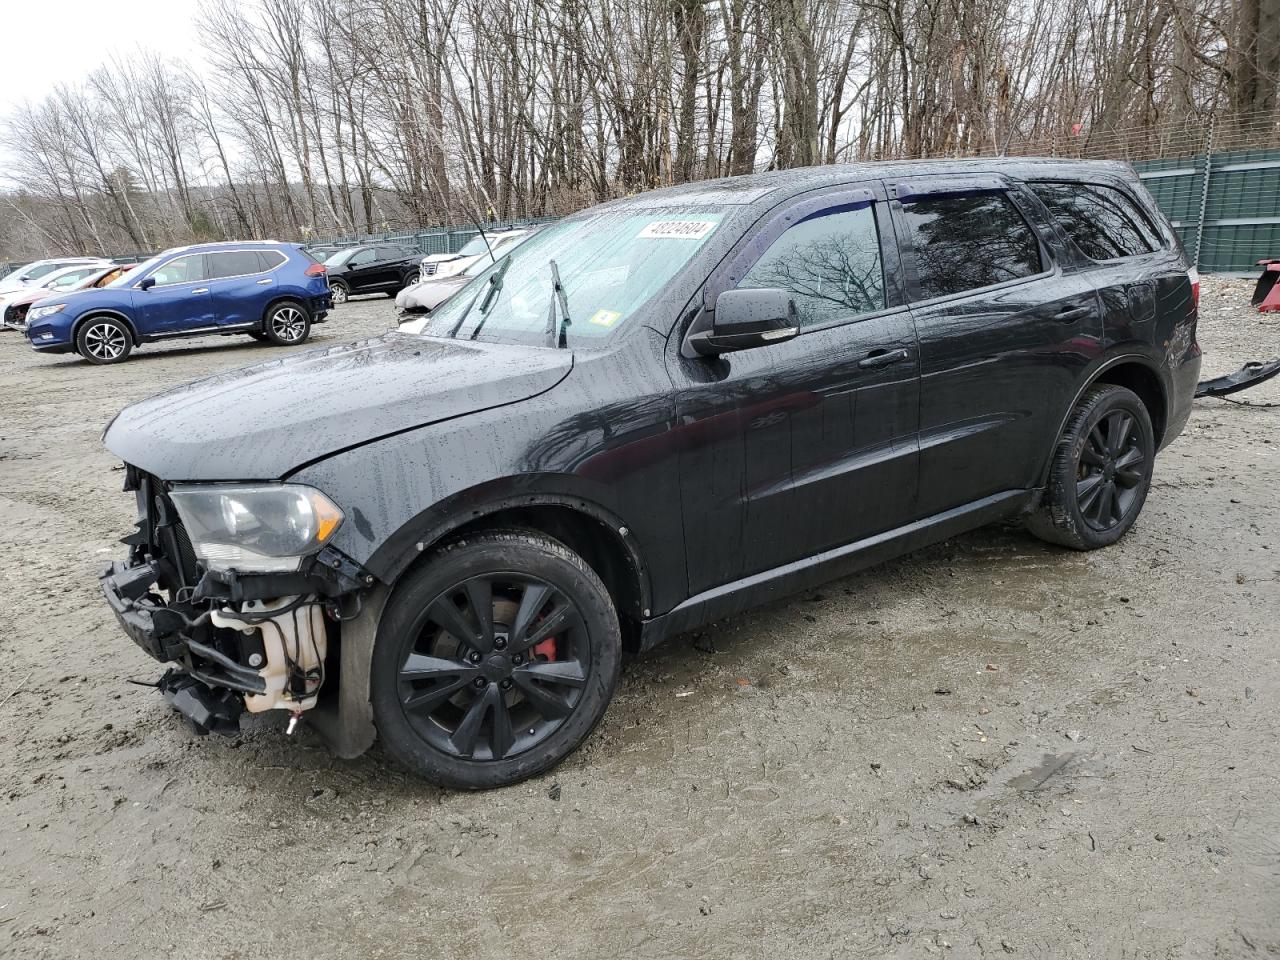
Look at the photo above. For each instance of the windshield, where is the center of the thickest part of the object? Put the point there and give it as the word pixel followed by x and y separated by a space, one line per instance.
pixel 610 264
pixel 140 270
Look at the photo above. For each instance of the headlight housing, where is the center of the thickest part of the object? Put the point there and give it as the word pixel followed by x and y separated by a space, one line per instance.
pixel 265 528
pixel 37 312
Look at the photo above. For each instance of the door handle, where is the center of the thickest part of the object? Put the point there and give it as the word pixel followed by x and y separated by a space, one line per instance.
pixel 882 358
pixel 200 290
pixel 261 282
pixel 1071 314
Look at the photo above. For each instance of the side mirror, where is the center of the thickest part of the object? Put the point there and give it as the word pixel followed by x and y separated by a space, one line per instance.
pixel 146 283
pixel 746 318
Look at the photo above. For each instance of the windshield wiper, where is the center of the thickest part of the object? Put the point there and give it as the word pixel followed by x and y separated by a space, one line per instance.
pixel 556 337
pixel 489 291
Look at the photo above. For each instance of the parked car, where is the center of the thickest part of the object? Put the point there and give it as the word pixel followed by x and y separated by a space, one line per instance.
pixel 371 268
pixel 14 306
pixel 482 247
pixel 655 414
pixel 269 291
pixel 420 299
pixel 31 272
pixel 323 251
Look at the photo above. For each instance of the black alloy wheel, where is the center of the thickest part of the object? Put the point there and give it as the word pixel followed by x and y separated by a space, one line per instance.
pixel 493 666
pixel 494 660
pixel 1100 473
pixel 1112 471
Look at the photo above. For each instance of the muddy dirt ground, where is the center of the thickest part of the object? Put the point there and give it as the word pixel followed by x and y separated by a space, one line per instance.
pixel 989 748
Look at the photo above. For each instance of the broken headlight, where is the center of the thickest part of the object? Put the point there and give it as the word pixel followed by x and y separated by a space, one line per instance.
pixel 256 529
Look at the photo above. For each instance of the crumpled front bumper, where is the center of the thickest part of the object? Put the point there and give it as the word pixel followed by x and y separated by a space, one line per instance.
pixel 166 633
pixel 151 626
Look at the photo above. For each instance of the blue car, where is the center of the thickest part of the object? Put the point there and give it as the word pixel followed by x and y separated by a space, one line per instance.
pixel 269 291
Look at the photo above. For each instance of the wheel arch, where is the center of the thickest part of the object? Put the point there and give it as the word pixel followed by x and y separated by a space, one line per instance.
pixel 603 541
pixel 95 314
pixel 284 298
pixel 1135 372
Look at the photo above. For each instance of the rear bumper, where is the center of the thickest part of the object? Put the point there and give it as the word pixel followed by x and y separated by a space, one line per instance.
pixel 1184 378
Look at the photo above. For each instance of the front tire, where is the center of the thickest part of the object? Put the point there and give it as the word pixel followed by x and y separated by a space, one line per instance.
pixel 103 340
pixel 286 324
pixel 494 660
pixel 340 292
pixel 1101 471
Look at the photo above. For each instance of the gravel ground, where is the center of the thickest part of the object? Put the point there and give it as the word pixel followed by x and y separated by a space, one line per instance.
pixel 988 748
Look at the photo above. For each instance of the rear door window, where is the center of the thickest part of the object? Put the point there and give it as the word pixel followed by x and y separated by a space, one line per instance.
pixel 969 241
pixel 830 264
pixel 1102 221
pixel 234 263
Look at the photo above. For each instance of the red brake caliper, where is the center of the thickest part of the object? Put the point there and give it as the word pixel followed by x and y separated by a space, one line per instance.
pixel 546 649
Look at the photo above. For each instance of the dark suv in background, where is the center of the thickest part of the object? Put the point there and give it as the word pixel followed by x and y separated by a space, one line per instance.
pixel 652 415
pixel 372 268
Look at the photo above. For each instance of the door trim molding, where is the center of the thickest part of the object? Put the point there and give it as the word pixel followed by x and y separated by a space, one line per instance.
pixel 759 588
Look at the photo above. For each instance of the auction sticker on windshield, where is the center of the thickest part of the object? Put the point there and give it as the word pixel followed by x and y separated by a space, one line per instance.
pixel 605 318
pixel 676 230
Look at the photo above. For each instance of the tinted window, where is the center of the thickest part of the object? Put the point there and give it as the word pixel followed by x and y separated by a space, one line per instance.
pixel 1103 222
pixel 969 241
pixel 182 270
pixel 271 259
pixel 366 255
pixel 830 263
pixel 236 263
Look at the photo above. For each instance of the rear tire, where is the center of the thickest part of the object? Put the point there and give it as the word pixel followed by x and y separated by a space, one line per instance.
pixel 286 324
pixel 494 660
pixel 1100 474
pixel 103 340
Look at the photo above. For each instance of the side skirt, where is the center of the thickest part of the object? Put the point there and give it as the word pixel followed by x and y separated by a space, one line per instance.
pixel 790 578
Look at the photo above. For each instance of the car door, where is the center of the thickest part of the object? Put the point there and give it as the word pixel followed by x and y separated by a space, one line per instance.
pixel 797 447
pixel 178 300
pixel 362 270
pixel 1005 334
pixel 1139 276
pixel 241 285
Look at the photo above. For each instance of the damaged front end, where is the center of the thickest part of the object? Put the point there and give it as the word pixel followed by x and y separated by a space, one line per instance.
pixel 237 588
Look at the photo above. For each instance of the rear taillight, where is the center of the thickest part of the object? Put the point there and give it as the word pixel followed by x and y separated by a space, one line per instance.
pixel 317 270
pixel 1194 276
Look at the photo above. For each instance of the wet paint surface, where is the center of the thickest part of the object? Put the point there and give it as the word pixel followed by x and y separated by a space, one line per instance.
pixel 800 792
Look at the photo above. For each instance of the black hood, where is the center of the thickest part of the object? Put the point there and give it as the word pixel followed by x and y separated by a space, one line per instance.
pixel 265 421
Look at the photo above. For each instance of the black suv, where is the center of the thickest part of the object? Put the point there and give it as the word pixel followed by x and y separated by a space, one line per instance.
pixel 372 268
pixel 656 413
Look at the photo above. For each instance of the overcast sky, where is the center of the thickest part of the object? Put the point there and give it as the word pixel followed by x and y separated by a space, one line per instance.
pixel 59 41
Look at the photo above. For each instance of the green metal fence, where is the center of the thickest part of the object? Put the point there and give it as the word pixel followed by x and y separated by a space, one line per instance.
pixel 1225 206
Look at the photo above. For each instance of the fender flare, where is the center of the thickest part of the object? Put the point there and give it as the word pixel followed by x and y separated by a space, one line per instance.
pixel 1109 362
pixel 105 312
pixel 282 298
pixel 389 562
